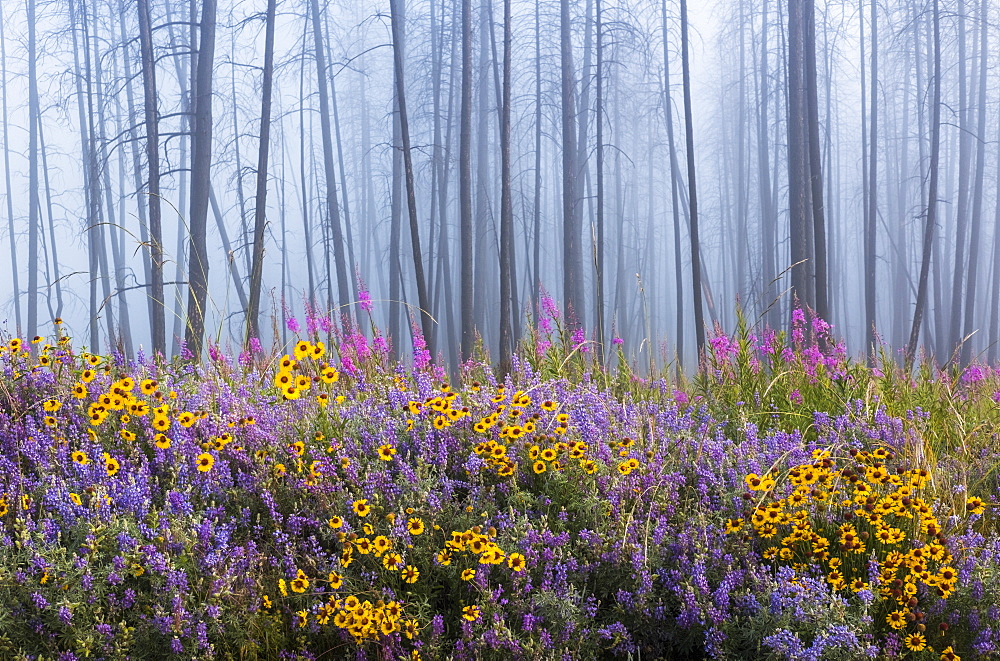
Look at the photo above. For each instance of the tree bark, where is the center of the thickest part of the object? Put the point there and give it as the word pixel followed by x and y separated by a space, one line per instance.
pixel 411 199
pixel 11 236
pixel 931 193
pixel 157 318
pixel 977 196
pixel 465 185
pixel 201 167
pixel 33 206
pixel 572 255
pixel 815 162
pixel 332 204
pixel 506 204
pixel 260 204
pixel 696 274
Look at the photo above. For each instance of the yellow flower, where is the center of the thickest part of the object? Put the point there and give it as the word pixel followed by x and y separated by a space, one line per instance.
pixel 111 464
pixel 411 628
pixel 205 462
pixel 392 561
pixel 52 405
pixel 897 619
pixel 281 587
pixel 915 642
pixel 410 574
pixel 471 613
pixel 975 505
pixel 335 522
pixel 75 498
pixel 468 574
pixel 415 526
pixel 538 467
pixel 361 507
pixel 302 349
pixel 948 654
pixel 80 457
pixel 300 584
pixel 302 618
pixel 336 580
pixel 381 544
pixel 385 452
pixel 444 558
pixel 516 562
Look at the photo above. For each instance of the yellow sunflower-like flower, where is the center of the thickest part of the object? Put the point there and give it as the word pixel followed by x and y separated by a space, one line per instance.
pixel 915 642
pixel 410 574
pixel 111 464
pixel 204 462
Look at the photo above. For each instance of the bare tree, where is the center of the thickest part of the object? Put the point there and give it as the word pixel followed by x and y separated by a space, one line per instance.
pixel 506 204
pixel 696 274
pixel 157 321
pixel 932 191
pixel 201 167
pixel 411 199
pixel 33 203
pixel 465 185
pixel 329 169
pixel 260 205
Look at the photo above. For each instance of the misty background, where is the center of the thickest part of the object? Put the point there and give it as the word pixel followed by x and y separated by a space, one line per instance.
pixel 462 156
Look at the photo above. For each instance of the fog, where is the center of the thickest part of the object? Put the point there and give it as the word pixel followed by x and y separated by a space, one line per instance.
pixel 841 157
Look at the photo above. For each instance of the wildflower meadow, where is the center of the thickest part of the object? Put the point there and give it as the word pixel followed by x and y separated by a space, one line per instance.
pixel 323 501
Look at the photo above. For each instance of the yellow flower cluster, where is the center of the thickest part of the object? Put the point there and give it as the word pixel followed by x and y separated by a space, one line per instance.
pixel 364 620
pixel 838 519
pixel 440 409
pixel 295 376
pixel 475 542
pixel 558 454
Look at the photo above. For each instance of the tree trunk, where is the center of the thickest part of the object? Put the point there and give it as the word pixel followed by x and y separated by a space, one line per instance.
pixel 33 206
pixel 962 210
pixel 157 319
pixel 572 255
pixel 411 198
pixel 599 243
pixel 536 285
pixel 798 159
pixel 815 162
pixel 506 204
pixel 465 184
pixel 332 204
pixel 977 195
pixel 696 274
pixel 260 204
pixel 12 237
pixel 871 229
pixel 201 168
pixel 930 220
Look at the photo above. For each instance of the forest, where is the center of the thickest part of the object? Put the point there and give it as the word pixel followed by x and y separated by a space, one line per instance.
pixel 466 156
pixel 499 330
